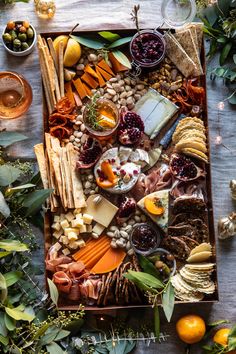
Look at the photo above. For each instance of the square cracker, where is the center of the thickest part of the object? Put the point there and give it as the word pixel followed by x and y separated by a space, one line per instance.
pixel 178 56
pixel 185 39
pixel 198 26
pixel 39 152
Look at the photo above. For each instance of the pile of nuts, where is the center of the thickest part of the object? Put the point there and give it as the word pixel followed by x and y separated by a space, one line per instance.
pixel 166 80
pixel 120 236
pixel 88 181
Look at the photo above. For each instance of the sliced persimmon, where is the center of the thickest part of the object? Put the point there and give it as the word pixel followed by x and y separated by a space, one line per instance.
pixel 106 183
pixel 154 206
pixel 107 170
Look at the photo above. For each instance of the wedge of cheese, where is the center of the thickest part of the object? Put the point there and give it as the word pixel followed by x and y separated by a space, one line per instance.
pixel 160 220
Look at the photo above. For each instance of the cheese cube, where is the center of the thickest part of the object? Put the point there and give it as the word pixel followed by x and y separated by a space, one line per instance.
pixel 72 236
pixel 57 234
pixel 56 226
pixel 62 217
pixel 74 245
pixel 56 218
pixel 64 224
pixel 89 228
pixel 83 229
pixel 71 229
pixel 57 246
pixel 77 222
pixel 69 216
pixel 98 228
pixel 66 252
pixel 87 219
pixel 77 211
pixel 64 240
pixel 81 243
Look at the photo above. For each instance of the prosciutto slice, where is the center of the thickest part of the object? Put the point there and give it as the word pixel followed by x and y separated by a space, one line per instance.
pixel 62 281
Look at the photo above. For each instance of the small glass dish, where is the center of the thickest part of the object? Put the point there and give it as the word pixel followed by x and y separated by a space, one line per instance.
pixel 101 118
pixel 176 13
pixel 145 238
pixel 164 262
pixel 147 48
pixel 15 95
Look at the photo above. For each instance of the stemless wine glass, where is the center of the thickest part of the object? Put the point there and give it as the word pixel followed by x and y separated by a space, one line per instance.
pixel 15 95
pixel 45 8
pixel 176 13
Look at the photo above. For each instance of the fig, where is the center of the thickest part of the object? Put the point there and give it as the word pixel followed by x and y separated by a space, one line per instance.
pixel 184 169
pixel 90 153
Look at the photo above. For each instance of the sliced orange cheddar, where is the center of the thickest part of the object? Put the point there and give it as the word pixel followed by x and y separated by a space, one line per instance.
pixel 87 89
pixel 90 244
pixel 90 263
pixel 69 92
pixel 102 64
pixel 88 79
pixel 88 69
pixel 101 81
pixel 110 261
pixel 116 65
pixel 80 88
pixel 94 250
pixel 104 74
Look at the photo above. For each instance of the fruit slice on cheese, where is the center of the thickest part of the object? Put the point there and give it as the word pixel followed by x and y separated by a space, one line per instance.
pixel 163 198
pixel 101 209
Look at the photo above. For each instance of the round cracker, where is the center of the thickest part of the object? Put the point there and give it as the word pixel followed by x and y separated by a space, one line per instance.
pixel 191 134
pixel 199 257
pixel 187 128
pixel 201 248
pixel 190 120
pixel 194 144
pixel 196 154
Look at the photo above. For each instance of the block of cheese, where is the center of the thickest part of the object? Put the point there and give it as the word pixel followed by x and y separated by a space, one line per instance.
pixel 56 226
pixel 101 209
pixel 64 224
pixel 56 218
pixel 87 219
pixel 83 229
pixel 64 240
pixel 66 252
pixel 69 216
pixel 72 236
pixel 71 229
pixel 98 229
pixel 77 222
pixel 57 234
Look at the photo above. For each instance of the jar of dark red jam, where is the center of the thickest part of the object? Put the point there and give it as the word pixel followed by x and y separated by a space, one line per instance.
pixel 145 238
pixel 147 48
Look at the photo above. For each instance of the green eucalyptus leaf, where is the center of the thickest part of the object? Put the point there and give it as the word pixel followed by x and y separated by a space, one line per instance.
pixel 8 138
pixel 223 6
pixel 217 323
pixel 119 42
pixel 168 301
pixel 147 279
pixel 225 52
pixel 62 334
pixel 53 291
pixel 139 284
pixel 3 328
pixel 33 201
pixel 156 322
pixel 213 48
pixel 211 14
pixel 14 349
pixel 148 266
pixel 89 42
pixel 9 322
pixel 110 36
pixel 54 348
pixel 122 58
pixel 3 284
pixel 222 40
pixel 19 315
pixel 8 174
pixel 4 254
pixel 13 246
pixel 23 186
pixel 232 99
pixel 4 208
pixel 12 277
pixel 4 340
pixel 49 335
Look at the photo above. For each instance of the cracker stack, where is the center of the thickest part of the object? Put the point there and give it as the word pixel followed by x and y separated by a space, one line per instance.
pixel 57 167
pixel 190 138
pixel 184 47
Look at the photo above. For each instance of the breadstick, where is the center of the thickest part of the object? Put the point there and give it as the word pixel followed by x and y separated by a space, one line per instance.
pixel 53 53
pixel 47 91
pixel 61 69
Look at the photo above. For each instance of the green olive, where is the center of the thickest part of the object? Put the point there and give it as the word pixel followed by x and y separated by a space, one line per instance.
pixel 13 34
pixel 30 33
pixel 17 43
pixel 7 38
pixel 22 37
pixel 24 45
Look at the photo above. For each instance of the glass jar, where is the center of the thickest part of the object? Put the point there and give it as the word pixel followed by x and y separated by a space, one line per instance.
pixel 15 95
pixel 176 13
pixel 101 118
pixel 145 238
pixel 45 9
pixel 147 48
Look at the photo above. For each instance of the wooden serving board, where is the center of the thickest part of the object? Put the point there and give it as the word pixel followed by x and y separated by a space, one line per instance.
pixel 69 305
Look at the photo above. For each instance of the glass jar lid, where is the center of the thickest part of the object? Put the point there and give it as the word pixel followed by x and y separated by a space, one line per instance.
pixel 176 13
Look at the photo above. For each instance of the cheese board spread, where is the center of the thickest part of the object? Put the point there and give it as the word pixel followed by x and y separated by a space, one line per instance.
pixel 127 158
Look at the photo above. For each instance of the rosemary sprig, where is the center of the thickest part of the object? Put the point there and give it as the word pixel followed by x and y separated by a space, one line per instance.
pixel 92 112
pixel 134 17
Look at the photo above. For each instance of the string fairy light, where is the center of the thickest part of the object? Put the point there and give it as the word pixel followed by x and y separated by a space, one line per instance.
pixel 218 140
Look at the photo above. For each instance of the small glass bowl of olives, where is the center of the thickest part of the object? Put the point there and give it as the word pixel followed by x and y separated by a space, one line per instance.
pixel 164 262
pixel 19 38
